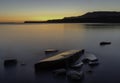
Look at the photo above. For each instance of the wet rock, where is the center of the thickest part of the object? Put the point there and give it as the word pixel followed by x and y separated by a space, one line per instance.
pixel 78 65
pixel 89 58
pixel 83 51
pixel 75 76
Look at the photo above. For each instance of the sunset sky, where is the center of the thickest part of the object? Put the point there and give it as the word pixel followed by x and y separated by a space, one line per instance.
pixel 21 10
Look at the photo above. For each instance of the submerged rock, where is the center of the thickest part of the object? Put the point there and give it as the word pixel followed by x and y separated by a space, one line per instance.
pixel 75 76
pixel 23 64
pixel 89 71
pixel 60 71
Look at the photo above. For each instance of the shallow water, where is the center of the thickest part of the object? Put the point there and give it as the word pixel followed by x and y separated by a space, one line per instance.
pixel 27 42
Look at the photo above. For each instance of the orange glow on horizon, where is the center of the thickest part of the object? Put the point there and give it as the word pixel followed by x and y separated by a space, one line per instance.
pixel 15 18
pixel 22 19
pixel 45 18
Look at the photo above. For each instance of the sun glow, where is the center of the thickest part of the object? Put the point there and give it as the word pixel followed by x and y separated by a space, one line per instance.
pixel 35 17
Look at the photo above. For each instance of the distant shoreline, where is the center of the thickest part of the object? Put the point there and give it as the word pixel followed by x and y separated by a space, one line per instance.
pixel 90 17
pixel 54 23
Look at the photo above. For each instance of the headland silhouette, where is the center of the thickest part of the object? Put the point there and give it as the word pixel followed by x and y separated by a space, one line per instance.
pixel 90 17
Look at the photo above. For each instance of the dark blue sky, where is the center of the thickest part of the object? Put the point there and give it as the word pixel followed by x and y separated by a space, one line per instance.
pixel 19 10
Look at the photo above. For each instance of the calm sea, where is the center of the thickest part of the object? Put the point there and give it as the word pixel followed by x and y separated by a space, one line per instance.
pixel 27 42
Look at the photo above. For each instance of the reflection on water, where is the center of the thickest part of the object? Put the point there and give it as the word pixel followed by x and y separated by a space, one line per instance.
pixel 27 42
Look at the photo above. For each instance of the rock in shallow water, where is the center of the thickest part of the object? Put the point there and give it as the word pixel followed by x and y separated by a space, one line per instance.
pixel 10 62
pixel 105 43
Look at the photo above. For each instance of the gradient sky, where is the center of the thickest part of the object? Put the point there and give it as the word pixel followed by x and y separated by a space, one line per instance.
pixel 20 10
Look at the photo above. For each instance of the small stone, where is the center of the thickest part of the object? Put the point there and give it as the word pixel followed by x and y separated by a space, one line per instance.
pixel 93 63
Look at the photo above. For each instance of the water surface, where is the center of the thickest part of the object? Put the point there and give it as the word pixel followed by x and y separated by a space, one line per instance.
pixel 27 42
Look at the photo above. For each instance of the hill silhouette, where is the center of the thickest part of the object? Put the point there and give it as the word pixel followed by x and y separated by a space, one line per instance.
pixel 90 17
